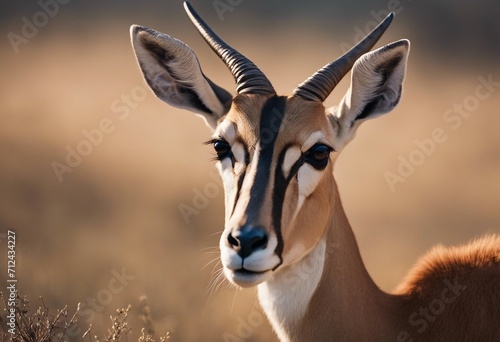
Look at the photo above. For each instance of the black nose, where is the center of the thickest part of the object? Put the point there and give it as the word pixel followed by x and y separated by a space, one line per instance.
pixel 247 239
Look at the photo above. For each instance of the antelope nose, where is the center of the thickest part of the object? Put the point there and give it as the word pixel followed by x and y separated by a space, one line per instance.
pixel 247 239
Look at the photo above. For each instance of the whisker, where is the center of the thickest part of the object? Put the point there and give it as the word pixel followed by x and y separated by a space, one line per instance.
pixel 234 296
pixel 210 248
pixel 210 262
pixel 213 251
pixel 216 233
pixel 215 283
pixel 221 281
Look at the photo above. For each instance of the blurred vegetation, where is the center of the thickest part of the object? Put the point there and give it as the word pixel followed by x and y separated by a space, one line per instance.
pixel 41 325
pixel 112 231
pixel 453 30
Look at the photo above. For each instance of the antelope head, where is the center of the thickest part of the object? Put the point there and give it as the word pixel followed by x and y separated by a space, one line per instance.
pixel 275 153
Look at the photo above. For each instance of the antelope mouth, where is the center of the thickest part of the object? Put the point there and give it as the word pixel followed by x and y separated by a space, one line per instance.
pixel 246 278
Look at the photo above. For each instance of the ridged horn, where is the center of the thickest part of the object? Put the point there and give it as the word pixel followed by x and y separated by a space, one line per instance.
pixel 321 84
pixel 249 79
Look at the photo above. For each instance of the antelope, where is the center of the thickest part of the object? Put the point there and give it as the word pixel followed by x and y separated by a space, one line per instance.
pixel 285 229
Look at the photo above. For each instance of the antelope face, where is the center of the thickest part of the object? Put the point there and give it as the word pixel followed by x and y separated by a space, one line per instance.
pixel 274 153
pixel 274 173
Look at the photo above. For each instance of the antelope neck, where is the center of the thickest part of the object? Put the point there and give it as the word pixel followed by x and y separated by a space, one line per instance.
pixel 329 287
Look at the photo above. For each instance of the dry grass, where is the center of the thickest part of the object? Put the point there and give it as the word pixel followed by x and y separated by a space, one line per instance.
pixel 38 326
pixel 43 326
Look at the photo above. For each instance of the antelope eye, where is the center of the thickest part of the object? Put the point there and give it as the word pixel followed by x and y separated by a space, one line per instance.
pixel 222 149
pixel 318 156
pixel 320 152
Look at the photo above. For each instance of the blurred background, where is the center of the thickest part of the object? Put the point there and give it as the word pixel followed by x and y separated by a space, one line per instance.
pixel 94 170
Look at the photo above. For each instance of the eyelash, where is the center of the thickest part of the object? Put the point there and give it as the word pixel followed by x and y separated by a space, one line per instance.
pixel 223 151
pixel 221 154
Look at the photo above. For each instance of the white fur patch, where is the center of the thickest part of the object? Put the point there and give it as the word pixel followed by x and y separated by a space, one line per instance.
pixel 225 164
pixel 314 138
pixel 308 178
pixel 226 130
pixel 228 180
pixel 258 261
pixel 292 155
pixel 286 296
pixel 300 202
pixel 239 153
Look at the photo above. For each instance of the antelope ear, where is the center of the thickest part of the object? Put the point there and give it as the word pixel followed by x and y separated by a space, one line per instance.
pixel 376 86
pixel 173 72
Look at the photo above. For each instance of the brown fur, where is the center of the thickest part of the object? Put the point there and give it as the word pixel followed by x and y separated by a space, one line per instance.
pixel 453 294
pixel 295 129
pixel 347 305
pixel 452 261
pixel 472 312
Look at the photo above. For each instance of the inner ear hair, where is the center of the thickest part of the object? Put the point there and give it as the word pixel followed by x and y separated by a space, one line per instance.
pixel 172 71
pixel 383 86
pixel 377 81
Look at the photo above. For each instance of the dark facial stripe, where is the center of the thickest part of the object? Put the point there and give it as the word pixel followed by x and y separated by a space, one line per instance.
pixel 241 178
pixel 270 122
pixel 280 186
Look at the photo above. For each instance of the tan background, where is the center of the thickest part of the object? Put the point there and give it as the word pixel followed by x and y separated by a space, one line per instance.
pixel 119 207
